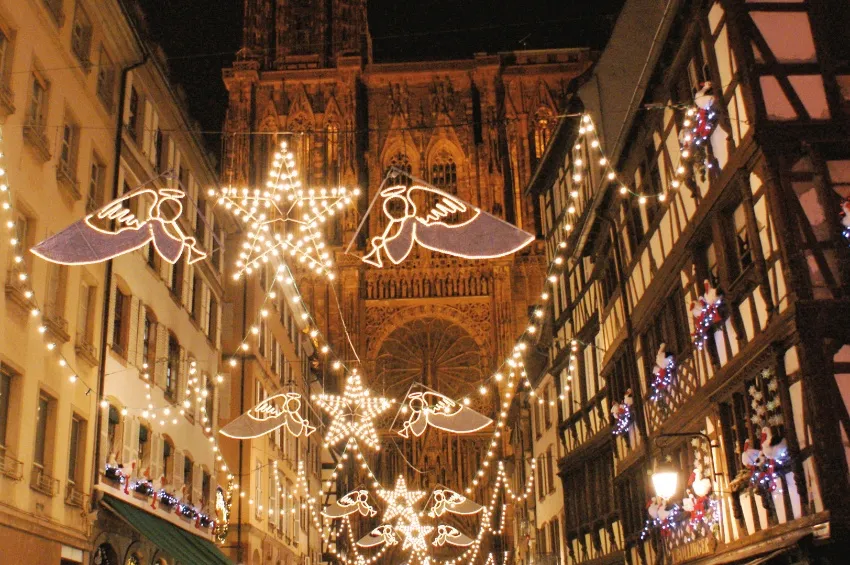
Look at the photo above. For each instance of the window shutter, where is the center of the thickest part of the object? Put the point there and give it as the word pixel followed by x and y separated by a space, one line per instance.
pixel 172 161
pixel 133 443
pixel 127 451
pixel 197 483
pixel 188 279
pixel 133 328
pixel 156 459
pixel 127 98
pixel 138 343
pixel 161 353
pixel 146 134
pixel 113 290
pixel 177 472
pixel 153 148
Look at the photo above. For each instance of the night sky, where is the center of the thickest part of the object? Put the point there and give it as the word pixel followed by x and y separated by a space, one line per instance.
pixel 201 36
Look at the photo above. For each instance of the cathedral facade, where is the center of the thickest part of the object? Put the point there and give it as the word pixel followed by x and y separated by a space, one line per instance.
pixel 473 127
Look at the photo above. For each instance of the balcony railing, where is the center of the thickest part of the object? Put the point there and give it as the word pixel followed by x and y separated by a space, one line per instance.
pixel 67 180
pixel 35 135
pixel 547 559
pixel 86 350
pixel 74 496
pixel 10 467
pixel 42 482
pixel 57 325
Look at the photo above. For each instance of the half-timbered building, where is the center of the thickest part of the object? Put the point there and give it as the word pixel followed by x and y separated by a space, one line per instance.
pixel 695 200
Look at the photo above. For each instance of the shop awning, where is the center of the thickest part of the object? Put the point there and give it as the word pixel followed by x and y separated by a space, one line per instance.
pixel 186 548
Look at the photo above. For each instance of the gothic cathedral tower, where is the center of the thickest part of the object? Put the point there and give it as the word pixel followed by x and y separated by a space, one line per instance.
pixel 474 127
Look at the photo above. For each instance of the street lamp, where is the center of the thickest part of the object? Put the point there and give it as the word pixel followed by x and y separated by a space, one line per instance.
pixel 665 478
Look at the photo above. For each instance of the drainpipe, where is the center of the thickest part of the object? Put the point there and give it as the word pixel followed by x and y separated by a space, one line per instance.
pixel 239 551
pixel 107 288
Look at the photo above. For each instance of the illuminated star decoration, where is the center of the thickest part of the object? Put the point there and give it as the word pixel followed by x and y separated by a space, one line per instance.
pixel 353 413
pixel 414 535
pixel 284 218
pixel 400 500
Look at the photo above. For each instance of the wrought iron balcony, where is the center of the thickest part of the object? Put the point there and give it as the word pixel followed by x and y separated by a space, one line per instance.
pixel 42 482
pixel 74 496
pixel 10 467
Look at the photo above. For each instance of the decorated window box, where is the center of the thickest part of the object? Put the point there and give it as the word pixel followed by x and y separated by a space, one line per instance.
pixel 114 475
pixel 621 412
pixel 205 521
pixel 187 512
pixel 143 490
pixel 167 501
pixel 708 313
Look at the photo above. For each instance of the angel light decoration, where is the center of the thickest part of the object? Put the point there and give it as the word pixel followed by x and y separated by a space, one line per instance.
pixel 267 416
pixel 115 229
pixel 479 236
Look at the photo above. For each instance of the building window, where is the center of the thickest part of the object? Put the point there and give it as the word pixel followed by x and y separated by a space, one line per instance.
pixel 5 403
pixel 188 472
pixel 75 451
pixel 68 152
pixel 212 331
pixel 133 113
pixel 81 33
pixel 54 304
pixel 550 474
pixel 168 460
pixel 121 323
pixel 743 252
pixel 547 410
pixel 177 278
pixel 332 151
pixel 206 488
pixel 171 370
pixel 218 249
pixel 43 434
pixel 149 341
pixel 444 172
pixel 5 59
pixel 85 313
pixel 37 110
pixel 112 423
pixel 105 79
pixel 201 222
pixel 197 297
pixel 97 180
pixel 144 452
pixel 542 131
pixel 209 403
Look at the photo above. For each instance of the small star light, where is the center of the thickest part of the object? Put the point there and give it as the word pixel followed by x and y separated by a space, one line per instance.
pixel 414 535
pixel 400 500
pixel 353 413
pixel 285 219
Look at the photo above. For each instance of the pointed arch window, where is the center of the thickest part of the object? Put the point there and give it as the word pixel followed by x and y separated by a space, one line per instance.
pixel 400 162
pixel 543 123
pixel 444 172
pixel 332 151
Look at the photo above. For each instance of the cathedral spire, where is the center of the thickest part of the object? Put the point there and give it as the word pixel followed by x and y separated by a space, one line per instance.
pixel 305 33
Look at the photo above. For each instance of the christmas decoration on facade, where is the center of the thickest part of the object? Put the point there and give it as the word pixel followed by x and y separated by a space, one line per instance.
pixel 353 413
pixel 92 239
pixel 281 410
pixel 763 468
pixel 697 128
pixel 384 534
pixel 663 374
pixel 439 411
pixel 845 218
pixel 622 414
pixel 707 313
pixel 437 227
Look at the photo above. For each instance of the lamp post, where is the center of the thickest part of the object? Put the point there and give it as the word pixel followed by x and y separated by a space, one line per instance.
pixel 665 478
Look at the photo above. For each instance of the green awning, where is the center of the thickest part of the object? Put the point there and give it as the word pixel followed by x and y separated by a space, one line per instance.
pixel 185 547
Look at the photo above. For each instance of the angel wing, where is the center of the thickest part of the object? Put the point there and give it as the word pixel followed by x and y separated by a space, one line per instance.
pixel 447 500
pixel 383 534
pixel 439 206
pixel 449 225
pixel 354 501
pixel 444 413
pixel 120 211
pixel 452 536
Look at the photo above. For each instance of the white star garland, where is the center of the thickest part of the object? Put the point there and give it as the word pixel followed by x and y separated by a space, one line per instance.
pixel 353 413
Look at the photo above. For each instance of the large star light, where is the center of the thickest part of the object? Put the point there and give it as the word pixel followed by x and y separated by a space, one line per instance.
pixel 284 219
pixel 400 500
pixel 353 413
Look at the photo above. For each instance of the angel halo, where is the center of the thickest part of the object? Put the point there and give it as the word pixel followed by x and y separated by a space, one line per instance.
pixel 482 236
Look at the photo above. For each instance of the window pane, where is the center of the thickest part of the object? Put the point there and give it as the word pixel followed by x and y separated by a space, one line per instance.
pixel 5 392
pixel 41 430
pixel 73 449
